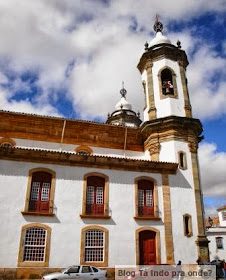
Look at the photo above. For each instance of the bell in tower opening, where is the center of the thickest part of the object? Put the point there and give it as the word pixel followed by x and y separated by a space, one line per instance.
pixel 167 82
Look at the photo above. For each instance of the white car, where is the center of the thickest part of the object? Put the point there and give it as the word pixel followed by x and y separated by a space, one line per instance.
pixel 88 272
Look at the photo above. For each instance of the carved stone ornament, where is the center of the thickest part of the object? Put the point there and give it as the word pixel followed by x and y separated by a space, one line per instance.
pixel 154 148
pixel 193 146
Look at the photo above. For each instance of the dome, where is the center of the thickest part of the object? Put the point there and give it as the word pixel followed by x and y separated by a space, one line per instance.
pixel 123 104
pixel 159 39
pixel 123 114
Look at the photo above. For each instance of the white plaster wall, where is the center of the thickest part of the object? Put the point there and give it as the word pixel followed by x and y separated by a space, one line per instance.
pixel 169 153
pixel 214 252
pixel 66 225
pixel 182 201
pixel 22 143
pixel 221 221
pixel 168 106
pixel 120 153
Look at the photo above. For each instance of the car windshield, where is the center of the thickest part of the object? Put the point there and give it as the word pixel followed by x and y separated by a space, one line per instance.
pixel 71 269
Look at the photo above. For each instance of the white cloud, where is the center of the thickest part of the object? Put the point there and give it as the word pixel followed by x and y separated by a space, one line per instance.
pixel 213 177
pixel 212 166
pixel 203 73
pixel 25 106
pixel 46 36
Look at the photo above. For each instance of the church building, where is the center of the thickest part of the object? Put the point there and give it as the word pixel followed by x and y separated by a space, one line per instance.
pixel 124 192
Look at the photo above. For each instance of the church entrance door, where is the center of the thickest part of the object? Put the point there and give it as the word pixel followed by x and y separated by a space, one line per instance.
pixel 147 247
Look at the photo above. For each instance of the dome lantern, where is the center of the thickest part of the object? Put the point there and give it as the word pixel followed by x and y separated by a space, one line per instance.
pixel 123 114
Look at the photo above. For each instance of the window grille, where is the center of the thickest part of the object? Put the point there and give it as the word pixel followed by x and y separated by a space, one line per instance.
pixel 83 153
pixel 90 195
pixel 45 191
pixel 219 242
pixel 149 198
pixel 94 246
pixel 99 198
pixel 34 245
pixel 141 198
pixel 35 191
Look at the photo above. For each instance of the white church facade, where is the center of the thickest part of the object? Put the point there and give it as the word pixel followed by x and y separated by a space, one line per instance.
pixel 116 193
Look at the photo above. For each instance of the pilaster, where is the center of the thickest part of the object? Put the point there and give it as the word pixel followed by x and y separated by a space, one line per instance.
pixel 187 105
pixel 201 241
pixel 167 220
pixel 151 102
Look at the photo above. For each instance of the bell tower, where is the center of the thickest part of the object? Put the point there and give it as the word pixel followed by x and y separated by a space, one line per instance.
pixel 171 134
pixel 163 70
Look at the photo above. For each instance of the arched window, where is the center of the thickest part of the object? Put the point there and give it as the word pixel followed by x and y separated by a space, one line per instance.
pixel 34 245
pixel 95 195
pixel 40 192
pixel 146 199
pixel 167 82
pixel 95 202
pixel 94 246
pixel 7 143
pixel 83 151
pixel 187 225
pixel 219 242
pixel 182 160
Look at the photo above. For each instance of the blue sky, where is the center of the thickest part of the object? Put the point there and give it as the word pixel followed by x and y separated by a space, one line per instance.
pixel 69 58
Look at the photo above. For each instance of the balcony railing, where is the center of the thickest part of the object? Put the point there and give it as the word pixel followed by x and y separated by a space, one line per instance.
pixel 97 209
pixel 147 212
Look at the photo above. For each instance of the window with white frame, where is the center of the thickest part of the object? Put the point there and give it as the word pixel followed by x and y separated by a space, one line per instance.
pixel 94 245
pixel 40 192
pixel 95 195
pixel 219 242
pixel 224 216
pixel 145 198
pixel 34 244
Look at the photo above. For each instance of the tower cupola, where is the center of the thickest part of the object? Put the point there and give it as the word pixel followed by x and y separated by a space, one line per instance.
pixel 123 114
pixel 163 70
pixel 159 37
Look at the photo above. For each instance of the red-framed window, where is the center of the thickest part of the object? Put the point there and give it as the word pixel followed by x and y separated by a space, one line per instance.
pixel 145 198
pixel 40 192
pixel 95 195
pixel 34 244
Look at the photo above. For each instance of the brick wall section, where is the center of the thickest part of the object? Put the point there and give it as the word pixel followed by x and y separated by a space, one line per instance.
pixel 41 128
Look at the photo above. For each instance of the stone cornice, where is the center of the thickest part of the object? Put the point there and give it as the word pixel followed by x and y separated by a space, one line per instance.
pixel 162 51
pixel 69 159
pixel 187 127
